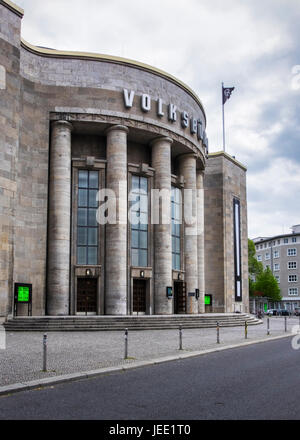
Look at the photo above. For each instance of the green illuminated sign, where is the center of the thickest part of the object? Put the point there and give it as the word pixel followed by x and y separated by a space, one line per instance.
pixel 23 294
pixel 207 300
pixel 265 307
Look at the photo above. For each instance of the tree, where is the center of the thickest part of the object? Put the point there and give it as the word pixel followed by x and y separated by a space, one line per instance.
pixel 255 267
pixel 267 284
pixel 251 287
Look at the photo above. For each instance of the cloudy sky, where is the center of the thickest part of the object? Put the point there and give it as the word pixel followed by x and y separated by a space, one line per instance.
pixel 253 45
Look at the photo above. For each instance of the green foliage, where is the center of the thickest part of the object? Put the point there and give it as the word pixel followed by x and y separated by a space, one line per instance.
pixel 255 267
pixel 261 280
pixel 267 284
pixel 251 287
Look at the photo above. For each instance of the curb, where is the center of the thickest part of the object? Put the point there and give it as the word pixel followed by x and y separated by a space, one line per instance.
pixel 46 382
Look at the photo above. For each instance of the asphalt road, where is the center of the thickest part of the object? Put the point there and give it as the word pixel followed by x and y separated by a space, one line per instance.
pixel 259 381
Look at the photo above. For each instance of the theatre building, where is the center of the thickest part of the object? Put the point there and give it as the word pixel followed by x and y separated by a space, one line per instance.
pixel 82 134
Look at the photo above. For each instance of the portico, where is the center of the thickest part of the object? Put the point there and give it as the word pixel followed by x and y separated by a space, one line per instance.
pixel 132 268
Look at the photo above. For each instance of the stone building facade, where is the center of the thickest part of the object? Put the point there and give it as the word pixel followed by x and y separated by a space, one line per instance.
pixel 74 124
pixel 281 253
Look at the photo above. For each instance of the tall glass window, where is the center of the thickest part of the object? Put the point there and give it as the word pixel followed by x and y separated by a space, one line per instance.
pixel 176 227
pixel 139 221
pixel 237 248
pixel 87 227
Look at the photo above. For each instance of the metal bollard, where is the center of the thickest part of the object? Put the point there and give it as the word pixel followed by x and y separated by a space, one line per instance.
pixel 268 326
pixel 126 344
pixel 180 337
pixel 285 324
pixel 246 329
pixel 45 352
pixel 218 333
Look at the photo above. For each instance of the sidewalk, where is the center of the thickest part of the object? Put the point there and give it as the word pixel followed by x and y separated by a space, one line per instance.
pixel 76 352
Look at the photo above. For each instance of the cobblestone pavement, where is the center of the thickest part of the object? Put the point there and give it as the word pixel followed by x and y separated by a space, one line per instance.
pixel 71 352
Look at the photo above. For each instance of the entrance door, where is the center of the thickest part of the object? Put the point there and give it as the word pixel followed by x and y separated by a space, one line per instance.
pixel 87 295
pixel 179 297
pixel 139 296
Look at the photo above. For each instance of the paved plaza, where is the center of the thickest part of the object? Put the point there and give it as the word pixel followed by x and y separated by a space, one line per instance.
pixel 73 352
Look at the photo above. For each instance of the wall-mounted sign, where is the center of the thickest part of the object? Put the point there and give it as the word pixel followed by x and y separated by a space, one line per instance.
pixel 208 300
pixel 23 295
pixel 169 292
pixel 197 293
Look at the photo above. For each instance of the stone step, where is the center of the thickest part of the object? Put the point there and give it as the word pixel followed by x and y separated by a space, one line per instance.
pixel 131 318
pixel 112 324
pixel 107 323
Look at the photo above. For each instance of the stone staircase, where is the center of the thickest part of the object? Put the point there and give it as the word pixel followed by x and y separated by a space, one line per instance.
pixel 144 322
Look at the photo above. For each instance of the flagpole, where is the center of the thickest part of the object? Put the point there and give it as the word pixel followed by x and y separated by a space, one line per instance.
pixel 223 116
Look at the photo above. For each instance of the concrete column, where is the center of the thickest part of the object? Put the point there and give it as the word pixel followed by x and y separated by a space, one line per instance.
pixel 161 161
pixel 187 168
pixel 116 234
pixel 200 240
pixel 58 290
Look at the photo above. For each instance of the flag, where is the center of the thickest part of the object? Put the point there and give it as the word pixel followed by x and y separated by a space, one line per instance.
pixel 227 93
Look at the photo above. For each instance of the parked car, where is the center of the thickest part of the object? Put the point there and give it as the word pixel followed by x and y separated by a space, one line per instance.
pixel 297 311
pixel 272 312
pixel 284 312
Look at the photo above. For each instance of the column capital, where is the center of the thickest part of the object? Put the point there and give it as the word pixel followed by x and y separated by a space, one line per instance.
pixel 62 123
pixel 161 139
pixel 117 128
pixel 187 156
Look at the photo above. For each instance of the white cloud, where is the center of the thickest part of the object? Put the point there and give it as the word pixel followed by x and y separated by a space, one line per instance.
pixel 275 194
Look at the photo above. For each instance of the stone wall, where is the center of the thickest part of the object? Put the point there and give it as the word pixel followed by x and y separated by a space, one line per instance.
pixel 82 85
pixel 10 24
pixel 224 179
pixel 214 232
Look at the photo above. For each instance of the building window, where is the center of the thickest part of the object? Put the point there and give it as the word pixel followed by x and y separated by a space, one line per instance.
pixel 291 252
pixel 139 221
pixel 87 226
pixel 176 207
pixel 276 254
pixel 277 277
pixel 261 246
pixel 293 291
pixel 267 256
pixel 293 278
pixel 270 244
pixel 259 258
pixel 276 266
pixel 292 265
pixel 237 248
pixel 278 241
pixel 286 240
pixel 294 239
pixel 265 245
pixel 268 266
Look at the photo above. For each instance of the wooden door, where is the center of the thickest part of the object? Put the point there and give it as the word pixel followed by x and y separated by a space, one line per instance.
pixel 179 297
pixel 139 296
pixel 87 295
